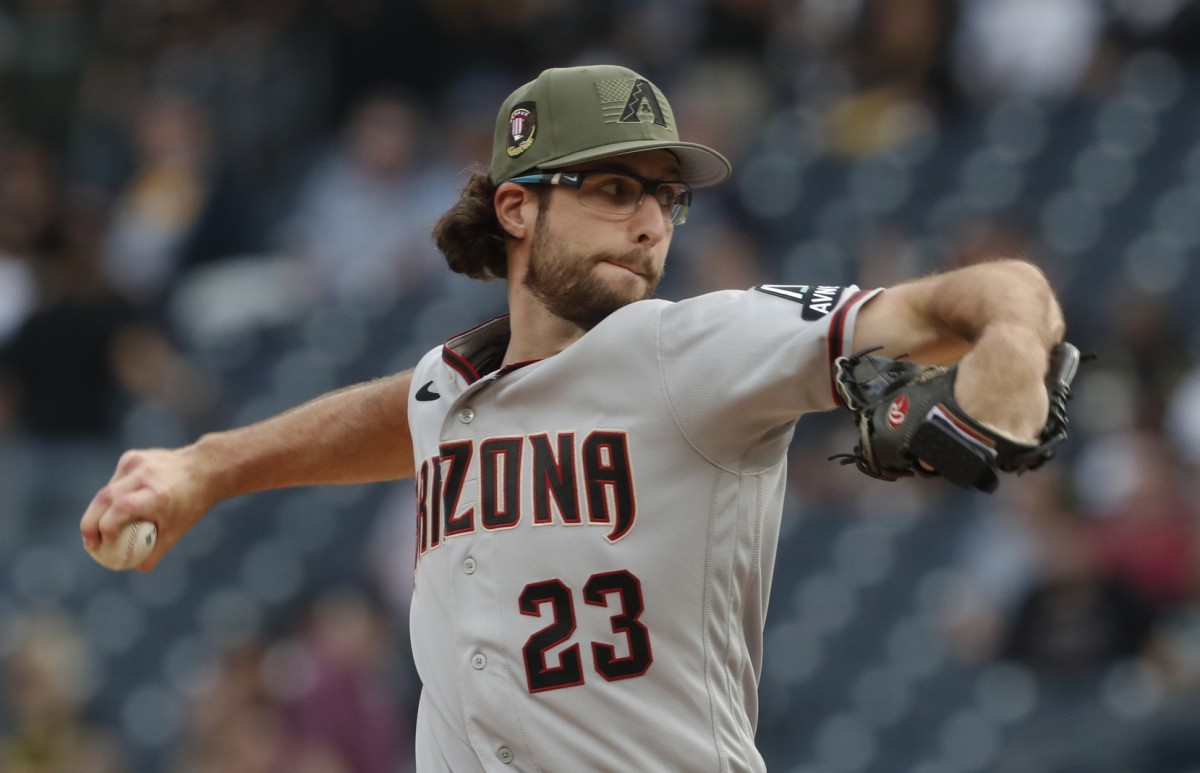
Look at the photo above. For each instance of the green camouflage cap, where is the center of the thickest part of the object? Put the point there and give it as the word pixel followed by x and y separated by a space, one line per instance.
pixel 570 115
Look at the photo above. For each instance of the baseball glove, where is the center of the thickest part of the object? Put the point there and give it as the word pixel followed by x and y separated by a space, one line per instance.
pixel 906 412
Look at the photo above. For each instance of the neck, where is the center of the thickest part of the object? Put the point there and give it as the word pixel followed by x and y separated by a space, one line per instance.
pixel 536 332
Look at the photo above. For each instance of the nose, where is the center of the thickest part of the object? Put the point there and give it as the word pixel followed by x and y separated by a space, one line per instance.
pixel 650 223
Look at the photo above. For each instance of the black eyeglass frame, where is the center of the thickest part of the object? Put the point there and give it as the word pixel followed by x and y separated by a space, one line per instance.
pixel 677 215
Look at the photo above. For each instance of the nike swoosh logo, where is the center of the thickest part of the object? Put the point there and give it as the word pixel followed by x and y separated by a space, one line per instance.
pixel 425 394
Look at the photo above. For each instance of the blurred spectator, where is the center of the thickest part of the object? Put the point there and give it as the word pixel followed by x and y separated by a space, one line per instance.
pixel 738 28
pixel 1000 558
pixel 71 370
pixel 111 87
pixel 261 69
pixel 362 225
pixel 723 101
pixel 1182 423
pixel 1171 25
pixel 1150 537
pixel 897 58
pixel 28 208
pixel 18 294
pixel 47 682
pixel 1148 346
pixel 63 367
pixel 719 257
pixel 888 254
pixel 29 195
pixel 51 39
pixel 1077 618
pixel 987 237
pixel 1028 48
pixel 75 362
pixel 236 724
pixel 1043 584
pixel 348 701
pixel 1009 233
pixel 252 737
pixel 525 36
pixel 319 701
pixel 177 210
pixel 467 110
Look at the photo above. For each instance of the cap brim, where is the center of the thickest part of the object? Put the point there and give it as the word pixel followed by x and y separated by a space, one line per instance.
pixel 699 166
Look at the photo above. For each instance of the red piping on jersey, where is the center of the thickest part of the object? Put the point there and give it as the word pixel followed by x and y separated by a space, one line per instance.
pixel 516 365
pixel 837 326
pixel 460 364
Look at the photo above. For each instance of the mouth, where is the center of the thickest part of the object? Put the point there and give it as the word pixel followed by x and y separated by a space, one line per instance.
pixel 625 267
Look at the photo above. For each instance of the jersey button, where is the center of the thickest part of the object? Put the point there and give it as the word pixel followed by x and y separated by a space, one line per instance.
pixel 505 755
pixel 466 415
pixel 478 661
pixel 469 566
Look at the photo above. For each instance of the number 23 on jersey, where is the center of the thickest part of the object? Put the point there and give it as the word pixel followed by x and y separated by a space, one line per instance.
pixel 618 592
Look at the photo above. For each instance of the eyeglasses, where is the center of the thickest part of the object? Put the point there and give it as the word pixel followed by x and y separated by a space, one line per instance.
pixel 619 193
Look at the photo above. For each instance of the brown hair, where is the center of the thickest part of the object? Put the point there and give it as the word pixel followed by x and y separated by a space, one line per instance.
pixel 469 234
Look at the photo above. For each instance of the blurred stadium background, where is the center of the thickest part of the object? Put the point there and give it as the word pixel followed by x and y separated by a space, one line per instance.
pixel 212 210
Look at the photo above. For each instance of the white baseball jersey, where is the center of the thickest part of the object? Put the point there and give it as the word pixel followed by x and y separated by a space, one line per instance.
pixel 597 531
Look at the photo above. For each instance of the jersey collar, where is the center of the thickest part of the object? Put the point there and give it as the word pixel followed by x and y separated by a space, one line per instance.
pixel 479 350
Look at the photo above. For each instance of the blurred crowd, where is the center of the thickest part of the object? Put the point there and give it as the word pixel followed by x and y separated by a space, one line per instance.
pixel 175 172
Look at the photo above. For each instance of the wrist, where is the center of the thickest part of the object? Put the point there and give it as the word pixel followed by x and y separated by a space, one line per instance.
pixel 207 463
pixel 1001 381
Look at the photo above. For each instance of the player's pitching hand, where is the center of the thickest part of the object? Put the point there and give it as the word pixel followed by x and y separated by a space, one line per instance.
pixel 156 485
pixel 1003 385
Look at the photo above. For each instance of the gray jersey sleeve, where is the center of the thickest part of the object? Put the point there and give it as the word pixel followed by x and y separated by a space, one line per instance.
pixel 739 367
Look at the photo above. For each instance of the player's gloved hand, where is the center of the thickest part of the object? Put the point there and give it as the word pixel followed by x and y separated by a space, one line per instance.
pixel 909 423
pixel 157 485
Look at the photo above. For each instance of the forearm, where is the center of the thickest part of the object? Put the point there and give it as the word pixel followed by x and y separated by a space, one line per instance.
pixel 1011 319
pixel 1002 298
pixel 355 435
pixel 999 318
pixel 939 318
pixel 1001 381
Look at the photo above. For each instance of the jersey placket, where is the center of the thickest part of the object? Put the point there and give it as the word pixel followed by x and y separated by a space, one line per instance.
pixel 484 668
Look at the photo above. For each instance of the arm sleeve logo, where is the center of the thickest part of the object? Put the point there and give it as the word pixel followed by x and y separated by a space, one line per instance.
pixel 816 301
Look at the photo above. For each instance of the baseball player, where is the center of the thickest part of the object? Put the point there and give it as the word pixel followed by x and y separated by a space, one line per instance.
pixel 600 474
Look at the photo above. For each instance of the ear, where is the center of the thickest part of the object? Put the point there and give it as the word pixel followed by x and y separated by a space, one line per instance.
pixel 515 209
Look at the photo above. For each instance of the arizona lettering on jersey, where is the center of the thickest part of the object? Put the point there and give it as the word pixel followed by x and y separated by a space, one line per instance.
pixel 596 531
pixel 526 481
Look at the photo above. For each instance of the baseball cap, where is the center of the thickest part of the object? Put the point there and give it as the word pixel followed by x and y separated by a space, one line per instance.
pixel 568 115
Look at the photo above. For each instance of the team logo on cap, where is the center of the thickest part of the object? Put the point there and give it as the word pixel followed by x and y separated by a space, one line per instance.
pixel 642 106
pixel 522 126
pixel 633 100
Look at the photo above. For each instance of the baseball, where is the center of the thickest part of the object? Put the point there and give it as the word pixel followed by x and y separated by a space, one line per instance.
pixel 130 549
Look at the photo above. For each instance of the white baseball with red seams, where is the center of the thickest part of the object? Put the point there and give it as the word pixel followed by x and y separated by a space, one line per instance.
pixel 597 531
pixel 131 548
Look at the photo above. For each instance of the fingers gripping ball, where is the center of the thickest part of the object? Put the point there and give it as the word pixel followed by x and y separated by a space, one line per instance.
pixel 130 549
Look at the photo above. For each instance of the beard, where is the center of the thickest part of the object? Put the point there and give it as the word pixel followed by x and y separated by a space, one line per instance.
pixel 564 280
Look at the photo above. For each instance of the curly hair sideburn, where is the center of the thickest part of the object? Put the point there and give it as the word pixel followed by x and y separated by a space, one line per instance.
pixel 469 234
